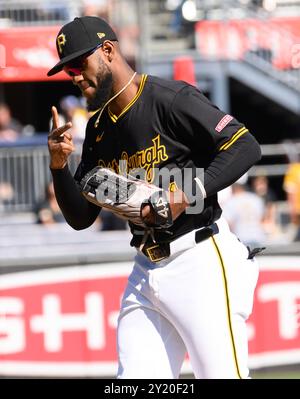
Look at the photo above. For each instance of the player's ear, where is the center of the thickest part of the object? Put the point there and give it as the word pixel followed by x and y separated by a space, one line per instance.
pixel 109 50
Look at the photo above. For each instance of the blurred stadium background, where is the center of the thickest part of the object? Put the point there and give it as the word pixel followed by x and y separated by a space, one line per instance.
pixel 60 289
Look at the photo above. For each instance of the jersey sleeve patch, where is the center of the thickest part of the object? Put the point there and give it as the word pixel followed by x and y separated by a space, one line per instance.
pixel 223 123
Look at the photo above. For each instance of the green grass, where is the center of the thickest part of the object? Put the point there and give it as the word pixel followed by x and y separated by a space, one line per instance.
pixel 276 375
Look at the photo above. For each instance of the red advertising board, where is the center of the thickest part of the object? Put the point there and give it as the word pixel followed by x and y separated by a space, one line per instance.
pixel 274 38
pixel 27 54
pixel 274 326
pixel 62 321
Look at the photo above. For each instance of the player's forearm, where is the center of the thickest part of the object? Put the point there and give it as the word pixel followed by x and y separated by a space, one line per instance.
pixel 78 212
pixel 228 166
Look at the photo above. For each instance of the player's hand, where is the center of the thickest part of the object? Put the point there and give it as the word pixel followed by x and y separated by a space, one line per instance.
pixel 178 203
pixel 60 142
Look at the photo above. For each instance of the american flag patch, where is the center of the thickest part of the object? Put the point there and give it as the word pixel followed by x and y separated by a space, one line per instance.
pixel 223 123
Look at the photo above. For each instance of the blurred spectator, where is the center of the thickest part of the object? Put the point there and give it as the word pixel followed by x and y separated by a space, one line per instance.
pixel 72 111
pixel 125 18
pixel 48 211
pixel 6 193
pixel 10 128
pixel 177 20
pixel 260 186
pixel 53 10
pixel 225 194
pixel 291 185
pixel 244 212
pixel 97 8
pixel 109 221
pixel 185 14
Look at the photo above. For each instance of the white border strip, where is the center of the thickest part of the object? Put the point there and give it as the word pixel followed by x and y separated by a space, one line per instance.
pixel 57 369
pixel 109 369
pixel 278 358
pixel 67 369
pixel 115 269
pixel 284 263
pixel 64 274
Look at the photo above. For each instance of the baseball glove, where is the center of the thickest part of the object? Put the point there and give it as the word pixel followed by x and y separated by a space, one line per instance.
pixel 126 197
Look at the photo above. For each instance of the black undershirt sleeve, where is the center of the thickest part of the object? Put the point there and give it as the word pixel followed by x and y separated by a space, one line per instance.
pixel 228 166
pixel 78 212
pixel 225 168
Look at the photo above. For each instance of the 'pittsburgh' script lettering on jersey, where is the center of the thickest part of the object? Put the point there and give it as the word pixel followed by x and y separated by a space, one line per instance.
pixel 145 159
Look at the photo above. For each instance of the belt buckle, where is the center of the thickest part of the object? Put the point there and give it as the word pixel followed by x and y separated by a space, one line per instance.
pixel 158 252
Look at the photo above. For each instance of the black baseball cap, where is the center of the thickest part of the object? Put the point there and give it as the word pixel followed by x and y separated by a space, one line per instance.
pixel 79 37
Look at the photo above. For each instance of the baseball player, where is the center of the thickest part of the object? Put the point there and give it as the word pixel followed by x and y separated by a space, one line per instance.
pixel 192 283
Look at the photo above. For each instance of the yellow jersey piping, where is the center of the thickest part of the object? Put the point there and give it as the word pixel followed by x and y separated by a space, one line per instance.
pixel 228 307
pixel 114 117
pixel 233 139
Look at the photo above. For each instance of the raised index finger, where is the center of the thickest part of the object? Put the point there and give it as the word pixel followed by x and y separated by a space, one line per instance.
pixel 55 119
pixel 58 134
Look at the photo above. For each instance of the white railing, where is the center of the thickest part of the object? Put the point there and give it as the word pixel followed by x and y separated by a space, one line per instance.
pixel 24 174
pixel 55 12
pixel 37 12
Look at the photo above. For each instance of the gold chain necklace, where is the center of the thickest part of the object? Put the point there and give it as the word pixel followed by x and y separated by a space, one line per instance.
pixel 111 99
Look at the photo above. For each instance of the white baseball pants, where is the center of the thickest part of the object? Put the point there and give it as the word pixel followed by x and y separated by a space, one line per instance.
pixel 196 301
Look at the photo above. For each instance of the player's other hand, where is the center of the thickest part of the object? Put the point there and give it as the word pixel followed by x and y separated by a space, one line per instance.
pixel 178 203
pixel 60 142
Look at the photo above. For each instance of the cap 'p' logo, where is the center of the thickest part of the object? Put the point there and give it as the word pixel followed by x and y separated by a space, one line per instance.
pixel 61 41
pixel 101 35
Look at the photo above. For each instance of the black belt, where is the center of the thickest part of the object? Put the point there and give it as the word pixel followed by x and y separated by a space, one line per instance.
pixel 158 252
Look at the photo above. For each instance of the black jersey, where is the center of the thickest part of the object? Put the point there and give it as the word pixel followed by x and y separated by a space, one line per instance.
pixel 167 124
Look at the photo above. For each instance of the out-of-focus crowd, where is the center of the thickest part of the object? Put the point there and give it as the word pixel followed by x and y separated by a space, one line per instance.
pixel 10 128
pixel 251 208
pixel 47 212
pixel 71 109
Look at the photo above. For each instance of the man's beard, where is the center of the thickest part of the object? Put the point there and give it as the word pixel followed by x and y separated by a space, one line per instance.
pixel 103 93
